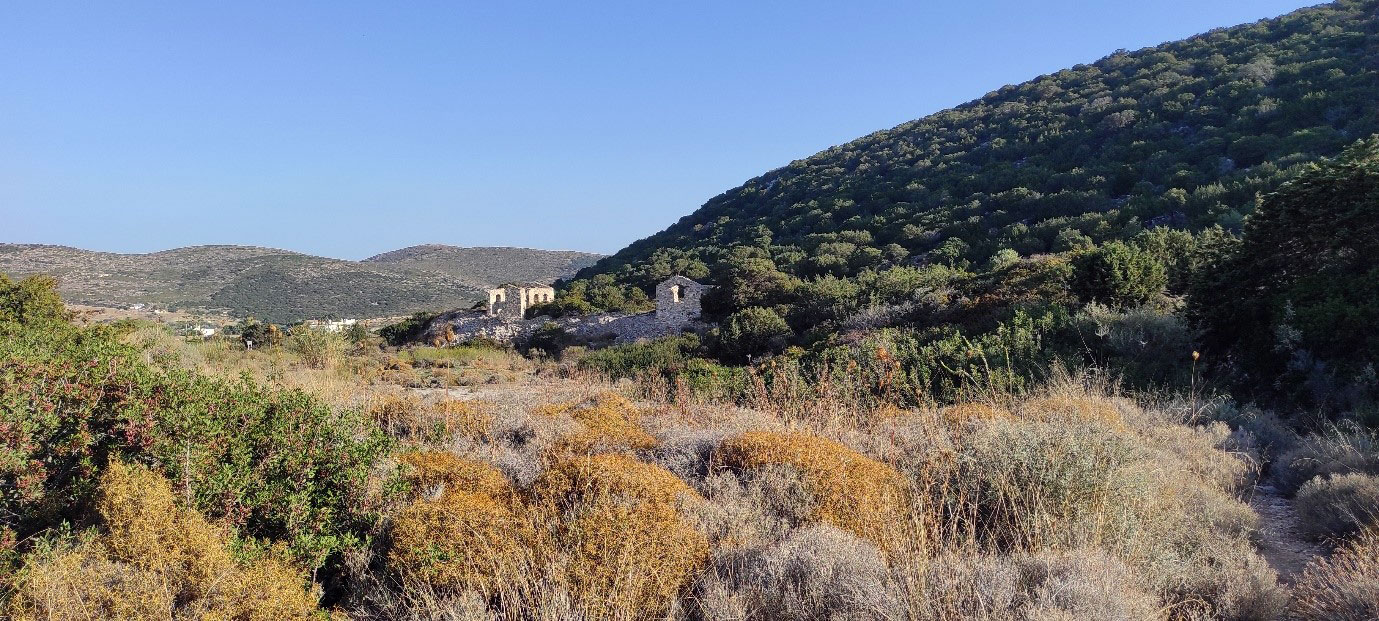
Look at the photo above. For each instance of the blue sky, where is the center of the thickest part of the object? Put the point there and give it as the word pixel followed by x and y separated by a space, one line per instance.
pixel 348 128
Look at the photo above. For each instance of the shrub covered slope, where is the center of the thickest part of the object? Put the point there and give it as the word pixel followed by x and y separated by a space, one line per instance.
pixel 1186 132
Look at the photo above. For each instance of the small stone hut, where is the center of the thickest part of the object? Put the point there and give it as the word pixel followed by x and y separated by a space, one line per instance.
pixel 678 301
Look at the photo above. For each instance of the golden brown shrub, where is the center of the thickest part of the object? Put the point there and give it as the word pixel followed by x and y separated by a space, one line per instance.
pixel 437 473
pixel 467 534
pixel 628 551
pixel 472 419
pixel 851 491
pixel 1344 587
pixel 607 422
pixel 461 541
pixel 155 560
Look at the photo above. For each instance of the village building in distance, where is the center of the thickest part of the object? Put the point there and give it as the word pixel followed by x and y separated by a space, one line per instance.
pixel 678 307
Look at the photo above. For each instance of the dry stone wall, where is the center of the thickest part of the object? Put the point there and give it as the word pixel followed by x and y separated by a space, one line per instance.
pixel 603 327
pixel 677 310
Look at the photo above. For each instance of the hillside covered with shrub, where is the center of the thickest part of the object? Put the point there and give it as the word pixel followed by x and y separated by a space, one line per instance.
pixel 1122 214
pixel 1185 134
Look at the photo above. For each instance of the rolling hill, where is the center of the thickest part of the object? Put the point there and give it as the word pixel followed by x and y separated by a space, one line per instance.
pixel 1185 134
pixel 283 286
pixel 485 267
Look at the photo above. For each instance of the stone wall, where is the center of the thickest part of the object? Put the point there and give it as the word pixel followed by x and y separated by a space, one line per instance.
pixel 600 328
pixel 677 310
pixel 679 301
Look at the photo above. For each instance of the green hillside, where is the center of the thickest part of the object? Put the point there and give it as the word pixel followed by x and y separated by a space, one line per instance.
pixel 1066 220
pixel 1185 134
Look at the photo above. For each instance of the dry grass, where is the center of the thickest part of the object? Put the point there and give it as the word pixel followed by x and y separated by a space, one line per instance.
pixel 343 381
pixel 1338 506
pixel 815 572
pixel 1074 408
pixel 1347 447
pixel 962 413
pixel 1077 584
pixel 155 560
pixel 471 419
pixel 1344 587
pixel 850 490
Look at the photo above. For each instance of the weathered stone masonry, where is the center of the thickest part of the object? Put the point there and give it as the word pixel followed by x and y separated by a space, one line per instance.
pixel 512 300
pixel 678 305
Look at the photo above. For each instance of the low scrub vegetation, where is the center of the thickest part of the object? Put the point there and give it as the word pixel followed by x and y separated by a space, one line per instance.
pixel 150 558
pixel 1344 587
pixel 761 492
pixel 848 489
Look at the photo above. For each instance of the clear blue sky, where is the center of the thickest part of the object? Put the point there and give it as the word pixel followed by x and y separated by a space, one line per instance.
pixel 350 128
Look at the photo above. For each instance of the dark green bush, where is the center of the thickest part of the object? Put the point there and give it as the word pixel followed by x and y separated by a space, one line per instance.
pixel 406 331
pixel 550 339
pixel 1118 275
pixel 666 355
pixel 1294 304
pixel 751 331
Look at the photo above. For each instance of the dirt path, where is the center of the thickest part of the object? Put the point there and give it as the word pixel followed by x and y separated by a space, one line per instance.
pixel 1286 550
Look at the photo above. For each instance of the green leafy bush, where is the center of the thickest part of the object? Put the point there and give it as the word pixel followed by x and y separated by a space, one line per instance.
pixel 669 355
pixel 406 331
pixel 278 464
pixel 752 331
pixel 550 339
pixel 1118 275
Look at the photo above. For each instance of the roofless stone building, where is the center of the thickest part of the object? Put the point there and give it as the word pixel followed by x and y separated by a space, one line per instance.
pixel 678 307
pixel 512 300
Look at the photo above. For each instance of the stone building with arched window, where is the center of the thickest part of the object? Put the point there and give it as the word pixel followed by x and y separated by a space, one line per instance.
pixel 512 300
pixel 678 301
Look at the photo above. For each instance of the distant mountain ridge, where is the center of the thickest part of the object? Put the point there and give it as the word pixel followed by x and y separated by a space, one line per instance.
pixel 285 286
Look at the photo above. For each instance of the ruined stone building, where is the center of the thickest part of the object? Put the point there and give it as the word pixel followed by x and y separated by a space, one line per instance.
pixel 678 301
pixel 678 305
pixel 512 300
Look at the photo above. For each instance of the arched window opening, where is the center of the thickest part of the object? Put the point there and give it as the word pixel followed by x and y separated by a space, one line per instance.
pixel 675 293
